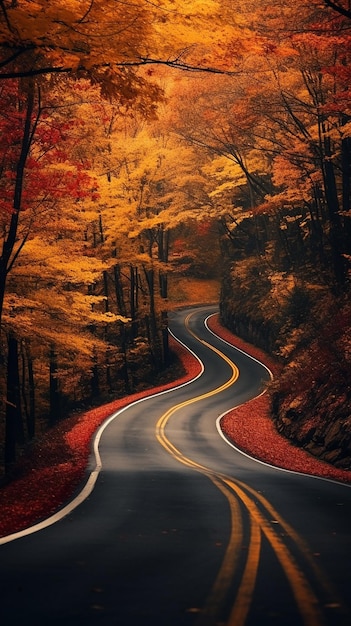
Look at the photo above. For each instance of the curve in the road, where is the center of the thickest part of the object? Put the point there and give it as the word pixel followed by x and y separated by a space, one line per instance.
pixel 93 476
pixel 260 523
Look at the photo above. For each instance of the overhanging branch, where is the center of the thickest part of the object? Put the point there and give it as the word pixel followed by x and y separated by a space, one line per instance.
pixel 175 63
pixel 35 72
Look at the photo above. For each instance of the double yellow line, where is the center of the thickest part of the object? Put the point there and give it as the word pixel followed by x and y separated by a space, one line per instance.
pixel 263 520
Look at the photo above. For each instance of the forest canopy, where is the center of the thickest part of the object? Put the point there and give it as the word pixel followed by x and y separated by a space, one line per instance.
pixel 136 138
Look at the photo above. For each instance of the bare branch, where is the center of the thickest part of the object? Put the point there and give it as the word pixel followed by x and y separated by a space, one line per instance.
pixel 81 20
pixel 34 72
pixel 339 9
pixel 13 57
pixel 172 63
pixel 6 17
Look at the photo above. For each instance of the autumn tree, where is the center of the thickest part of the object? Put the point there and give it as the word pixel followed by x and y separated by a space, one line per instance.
pixel 286 131
pixel 37 181
pixel 317 114
pixel 109 154
pixel 148 185
pixel 81 39
pixel 47 54
pixel 19 123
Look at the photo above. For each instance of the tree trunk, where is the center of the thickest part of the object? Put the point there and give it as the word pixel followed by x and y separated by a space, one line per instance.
pixel 150 280
pixel 95 385
pixel 7 256
pixel 54 393
pixel 105 280
pixel 155 340
pixel 332 201
pixel 163 251
pixel 27 389
pixel 134 299
pixel 124 369
pixel 165 338
pixel 346 186
pixel 31 388
pixel 13 417
pixel 119 290
pixel 336 232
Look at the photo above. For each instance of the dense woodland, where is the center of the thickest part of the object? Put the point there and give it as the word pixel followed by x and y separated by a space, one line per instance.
pixel 145 141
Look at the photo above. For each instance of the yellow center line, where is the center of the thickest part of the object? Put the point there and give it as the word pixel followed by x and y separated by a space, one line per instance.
pixel 226 572
pixel 243 601
pixel 163 420
pixel 304 596
pixel 299 542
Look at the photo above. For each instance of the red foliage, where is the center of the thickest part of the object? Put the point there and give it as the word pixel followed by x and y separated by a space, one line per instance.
pixel 50 146
pixel 204 227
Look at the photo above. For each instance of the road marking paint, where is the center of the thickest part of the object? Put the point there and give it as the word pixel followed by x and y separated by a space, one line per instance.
pixel 232 445
pixel 243 600
pixel 236 348
pixel 276 518
pixel 93 476
pixel 226 573
pixel 305 598
pixel 229 563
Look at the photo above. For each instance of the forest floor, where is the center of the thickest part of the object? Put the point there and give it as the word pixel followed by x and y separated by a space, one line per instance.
pixel 54 468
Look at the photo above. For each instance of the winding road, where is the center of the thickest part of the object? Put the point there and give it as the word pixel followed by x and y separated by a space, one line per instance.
pixel 176 527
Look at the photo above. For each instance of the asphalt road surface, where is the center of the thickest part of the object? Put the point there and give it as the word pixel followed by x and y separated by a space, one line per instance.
pixel 181 529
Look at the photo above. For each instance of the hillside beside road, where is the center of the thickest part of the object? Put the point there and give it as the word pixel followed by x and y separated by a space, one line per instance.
pixel 252 429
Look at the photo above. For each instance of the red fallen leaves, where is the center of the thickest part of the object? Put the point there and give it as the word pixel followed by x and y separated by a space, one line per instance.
pixel 251 428
pixel 58 463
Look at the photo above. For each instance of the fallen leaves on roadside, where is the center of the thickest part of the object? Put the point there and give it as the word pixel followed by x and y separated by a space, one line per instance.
pixel 58 462
pixel 252 430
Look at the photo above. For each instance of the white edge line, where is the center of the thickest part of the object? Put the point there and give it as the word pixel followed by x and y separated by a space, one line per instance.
pixel 92 478
pixel 252 458
pixel 90 484
pixel 238 349
pixel 275 467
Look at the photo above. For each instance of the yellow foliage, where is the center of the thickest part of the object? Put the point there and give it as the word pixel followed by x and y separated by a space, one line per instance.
pixel 62 261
